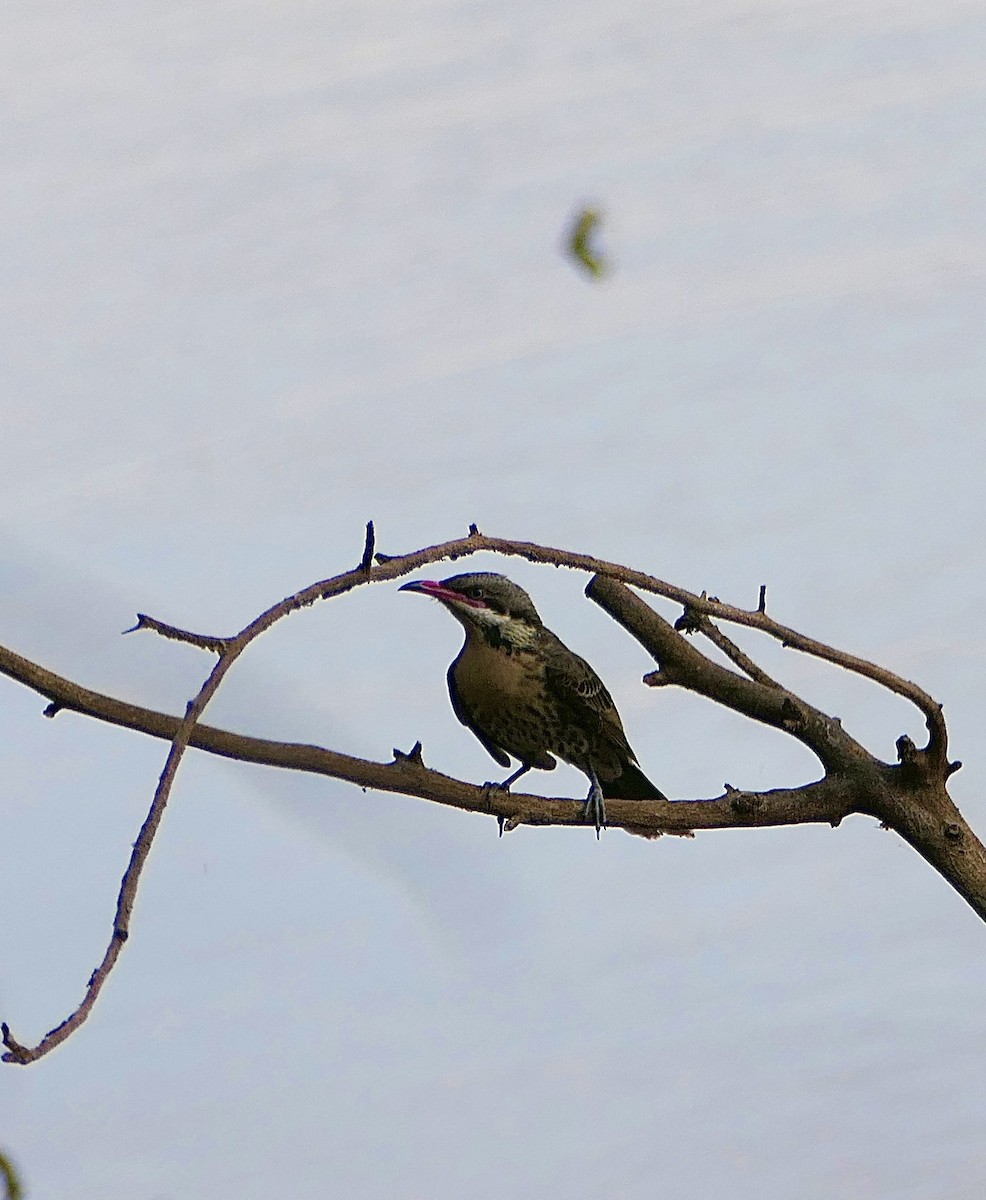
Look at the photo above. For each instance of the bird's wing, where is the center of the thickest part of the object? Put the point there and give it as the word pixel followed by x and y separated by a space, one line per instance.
pixel 577 687
pixel 462 713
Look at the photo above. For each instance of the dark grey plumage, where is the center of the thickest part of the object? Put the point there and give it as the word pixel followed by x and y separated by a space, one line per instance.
pixel 526 696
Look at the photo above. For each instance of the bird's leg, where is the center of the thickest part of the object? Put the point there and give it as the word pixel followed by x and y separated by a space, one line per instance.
pixel 511 779
pixel 595 803
pixel 521 770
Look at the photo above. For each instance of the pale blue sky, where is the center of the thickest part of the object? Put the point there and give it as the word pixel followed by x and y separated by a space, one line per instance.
pixel 269 271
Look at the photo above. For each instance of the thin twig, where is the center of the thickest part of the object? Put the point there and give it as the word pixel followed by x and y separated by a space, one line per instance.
pixel 732 651
pixel 204 641
pixel 366 562
pixel 693 622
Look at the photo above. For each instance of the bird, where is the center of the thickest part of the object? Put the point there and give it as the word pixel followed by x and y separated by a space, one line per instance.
pixel 526 696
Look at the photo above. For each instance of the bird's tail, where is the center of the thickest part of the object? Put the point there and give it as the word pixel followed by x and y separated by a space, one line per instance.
pixel 632 784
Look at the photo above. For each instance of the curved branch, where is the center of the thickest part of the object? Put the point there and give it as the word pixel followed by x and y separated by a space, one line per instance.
pixel 911 797
pixel 181 733
pixel 229 649
pixel 394 566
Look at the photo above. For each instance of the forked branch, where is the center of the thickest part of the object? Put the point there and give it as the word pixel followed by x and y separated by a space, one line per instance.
pixel 909 796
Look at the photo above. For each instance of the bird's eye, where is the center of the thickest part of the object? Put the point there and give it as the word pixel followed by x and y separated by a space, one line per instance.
pixel 478 593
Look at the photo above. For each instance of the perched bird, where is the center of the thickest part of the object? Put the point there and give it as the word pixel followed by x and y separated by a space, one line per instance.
pixel 524 694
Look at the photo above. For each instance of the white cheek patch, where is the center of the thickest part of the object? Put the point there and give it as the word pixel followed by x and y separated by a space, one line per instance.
pixel 510 630
pixel 489 618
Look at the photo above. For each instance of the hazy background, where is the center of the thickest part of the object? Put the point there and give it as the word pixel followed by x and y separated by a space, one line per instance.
pixel 267 271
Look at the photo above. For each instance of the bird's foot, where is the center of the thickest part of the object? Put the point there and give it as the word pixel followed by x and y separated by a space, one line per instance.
pixel 595 806
pixel 489 787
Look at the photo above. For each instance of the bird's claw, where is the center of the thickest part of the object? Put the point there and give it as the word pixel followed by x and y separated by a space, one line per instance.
pixel 492 785
pixel 594 810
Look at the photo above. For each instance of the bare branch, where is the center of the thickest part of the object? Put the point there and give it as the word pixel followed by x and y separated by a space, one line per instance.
pixel 204 641
pixel 909 796
pixel 822 802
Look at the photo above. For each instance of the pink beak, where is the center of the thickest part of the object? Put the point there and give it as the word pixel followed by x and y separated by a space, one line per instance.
pixel 438 591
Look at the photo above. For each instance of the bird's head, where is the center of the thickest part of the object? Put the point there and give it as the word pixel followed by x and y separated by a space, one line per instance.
pixel 485 603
